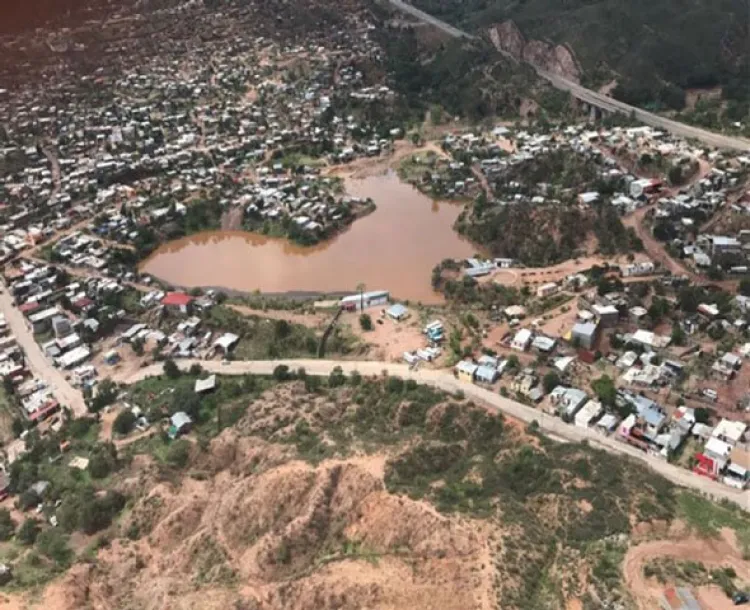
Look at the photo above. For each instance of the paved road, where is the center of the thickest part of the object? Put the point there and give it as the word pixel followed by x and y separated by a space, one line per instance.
pixel 36 360
pixel 445 381
pixel 594 98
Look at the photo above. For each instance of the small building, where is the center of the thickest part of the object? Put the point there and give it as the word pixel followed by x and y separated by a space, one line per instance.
pixel 358 302
pixel 178 301
pixel 226 342
pixel 585 334
pixel 588 414
pixel 567 401
pixel 546 290
pixel 730 432
pixel 180 424
pixel 397 312
pixel 486 374
pixel 203 386
pixel 465 370
pixel 608 315
pixel 522 340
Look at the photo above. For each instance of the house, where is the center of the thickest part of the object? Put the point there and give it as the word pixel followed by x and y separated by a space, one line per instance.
pixel 588 414
pixel 397 312
pixel 730 432
pixel 180 424
pixel 584 333
pixel 608 315
pixel 178 301
pixel 203 386
pixel 546 290
pixel 465 370
pixel 357 302
pixel 226 342
pixel 567 401
pixel 486 374
pixel 522 340
pixel 543 344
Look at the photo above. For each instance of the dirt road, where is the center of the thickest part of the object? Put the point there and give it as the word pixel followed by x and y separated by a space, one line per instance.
pixel 710 552
pixel 446 382
pixel 35 359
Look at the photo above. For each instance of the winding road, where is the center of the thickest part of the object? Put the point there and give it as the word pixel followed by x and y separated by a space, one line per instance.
pixel 604 102
pixel 445 381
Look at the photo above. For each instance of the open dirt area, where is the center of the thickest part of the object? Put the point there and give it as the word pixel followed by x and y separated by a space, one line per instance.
pixel 720 552
pixel 259 531
pixel 388 341
pixel 554 273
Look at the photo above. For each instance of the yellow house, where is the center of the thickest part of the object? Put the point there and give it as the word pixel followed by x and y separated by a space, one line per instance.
pixel 465 370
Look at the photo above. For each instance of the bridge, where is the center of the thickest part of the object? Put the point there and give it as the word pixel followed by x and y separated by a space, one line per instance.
pixel 593 98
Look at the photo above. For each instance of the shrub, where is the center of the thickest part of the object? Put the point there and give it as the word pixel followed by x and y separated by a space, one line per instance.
pixel 28 532
pixel 53 543
pixel 124 422
pixel 7 526
pixel 171 369
pixel 178 453
pixel 365 321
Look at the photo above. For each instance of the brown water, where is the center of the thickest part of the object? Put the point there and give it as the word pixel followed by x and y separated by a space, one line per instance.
pixel 394 248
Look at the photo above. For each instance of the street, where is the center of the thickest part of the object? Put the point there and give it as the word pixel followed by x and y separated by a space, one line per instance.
pixel 36 360
pixel 447 382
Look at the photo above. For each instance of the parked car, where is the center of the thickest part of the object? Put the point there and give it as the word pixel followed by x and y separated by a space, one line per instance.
pixel 740 598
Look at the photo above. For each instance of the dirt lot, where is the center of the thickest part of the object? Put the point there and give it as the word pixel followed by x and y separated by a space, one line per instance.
pixel 554 273
pixel 390 339
pixel 722 552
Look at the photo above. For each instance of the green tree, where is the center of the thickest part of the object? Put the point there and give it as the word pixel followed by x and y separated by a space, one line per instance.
pixel 678 335
pixel 106 394
pixel 171 370
pixel 605 390
pixel 124 422
pixel 53 543
pixel 365 321
pixel 550 381
pixel 137 345
pixel 28 532
pixel 744 287
pixel 702 415
pixel 7 526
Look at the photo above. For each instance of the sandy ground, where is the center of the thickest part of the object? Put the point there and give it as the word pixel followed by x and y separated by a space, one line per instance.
pixel 129 362
pixel 554 273
pixel 721 551
pixel 390 339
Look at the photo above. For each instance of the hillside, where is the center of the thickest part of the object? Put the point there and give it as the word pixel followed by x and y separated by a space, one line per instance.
pixel 655 50
pixel 343 493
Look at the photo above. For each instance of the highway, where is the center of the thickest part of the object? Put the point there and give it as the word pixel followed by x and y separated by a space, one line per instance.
pixel 445 381
pixel 594 98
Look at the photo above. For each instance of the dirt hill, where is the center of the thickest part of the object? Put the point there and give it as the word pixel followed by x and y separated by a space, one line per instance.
pixel 364 493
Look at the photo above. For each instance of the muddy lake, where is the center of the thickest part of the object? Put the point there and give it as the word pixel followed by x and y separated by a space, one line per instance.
pixel 395 248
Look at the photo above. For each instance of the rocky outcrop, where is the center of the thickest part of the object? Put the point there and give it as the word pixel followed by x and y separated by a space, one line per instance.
pixel 556 59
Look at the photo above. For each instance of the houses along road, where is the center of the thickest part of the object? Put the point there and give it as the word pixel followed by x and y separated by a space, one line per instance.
pixel 36 361
pixel 594 98
pixel 447 382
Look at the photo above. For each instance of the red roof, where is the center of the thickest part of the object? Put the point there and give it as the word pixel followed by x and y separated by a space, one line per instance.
pixel 82 303
pixel 177 299
pixel 27 307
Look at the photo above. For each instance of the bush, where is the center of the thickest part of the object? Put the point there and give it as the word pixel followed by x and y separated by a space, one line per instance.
pixel 53 543
pixel 124 422
pixel 365 321
pixel 281 373
pixel 7 526
pixel 171 369
pixel 28 532
pixel 103 461
pixel 178 453
pixel 106 394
